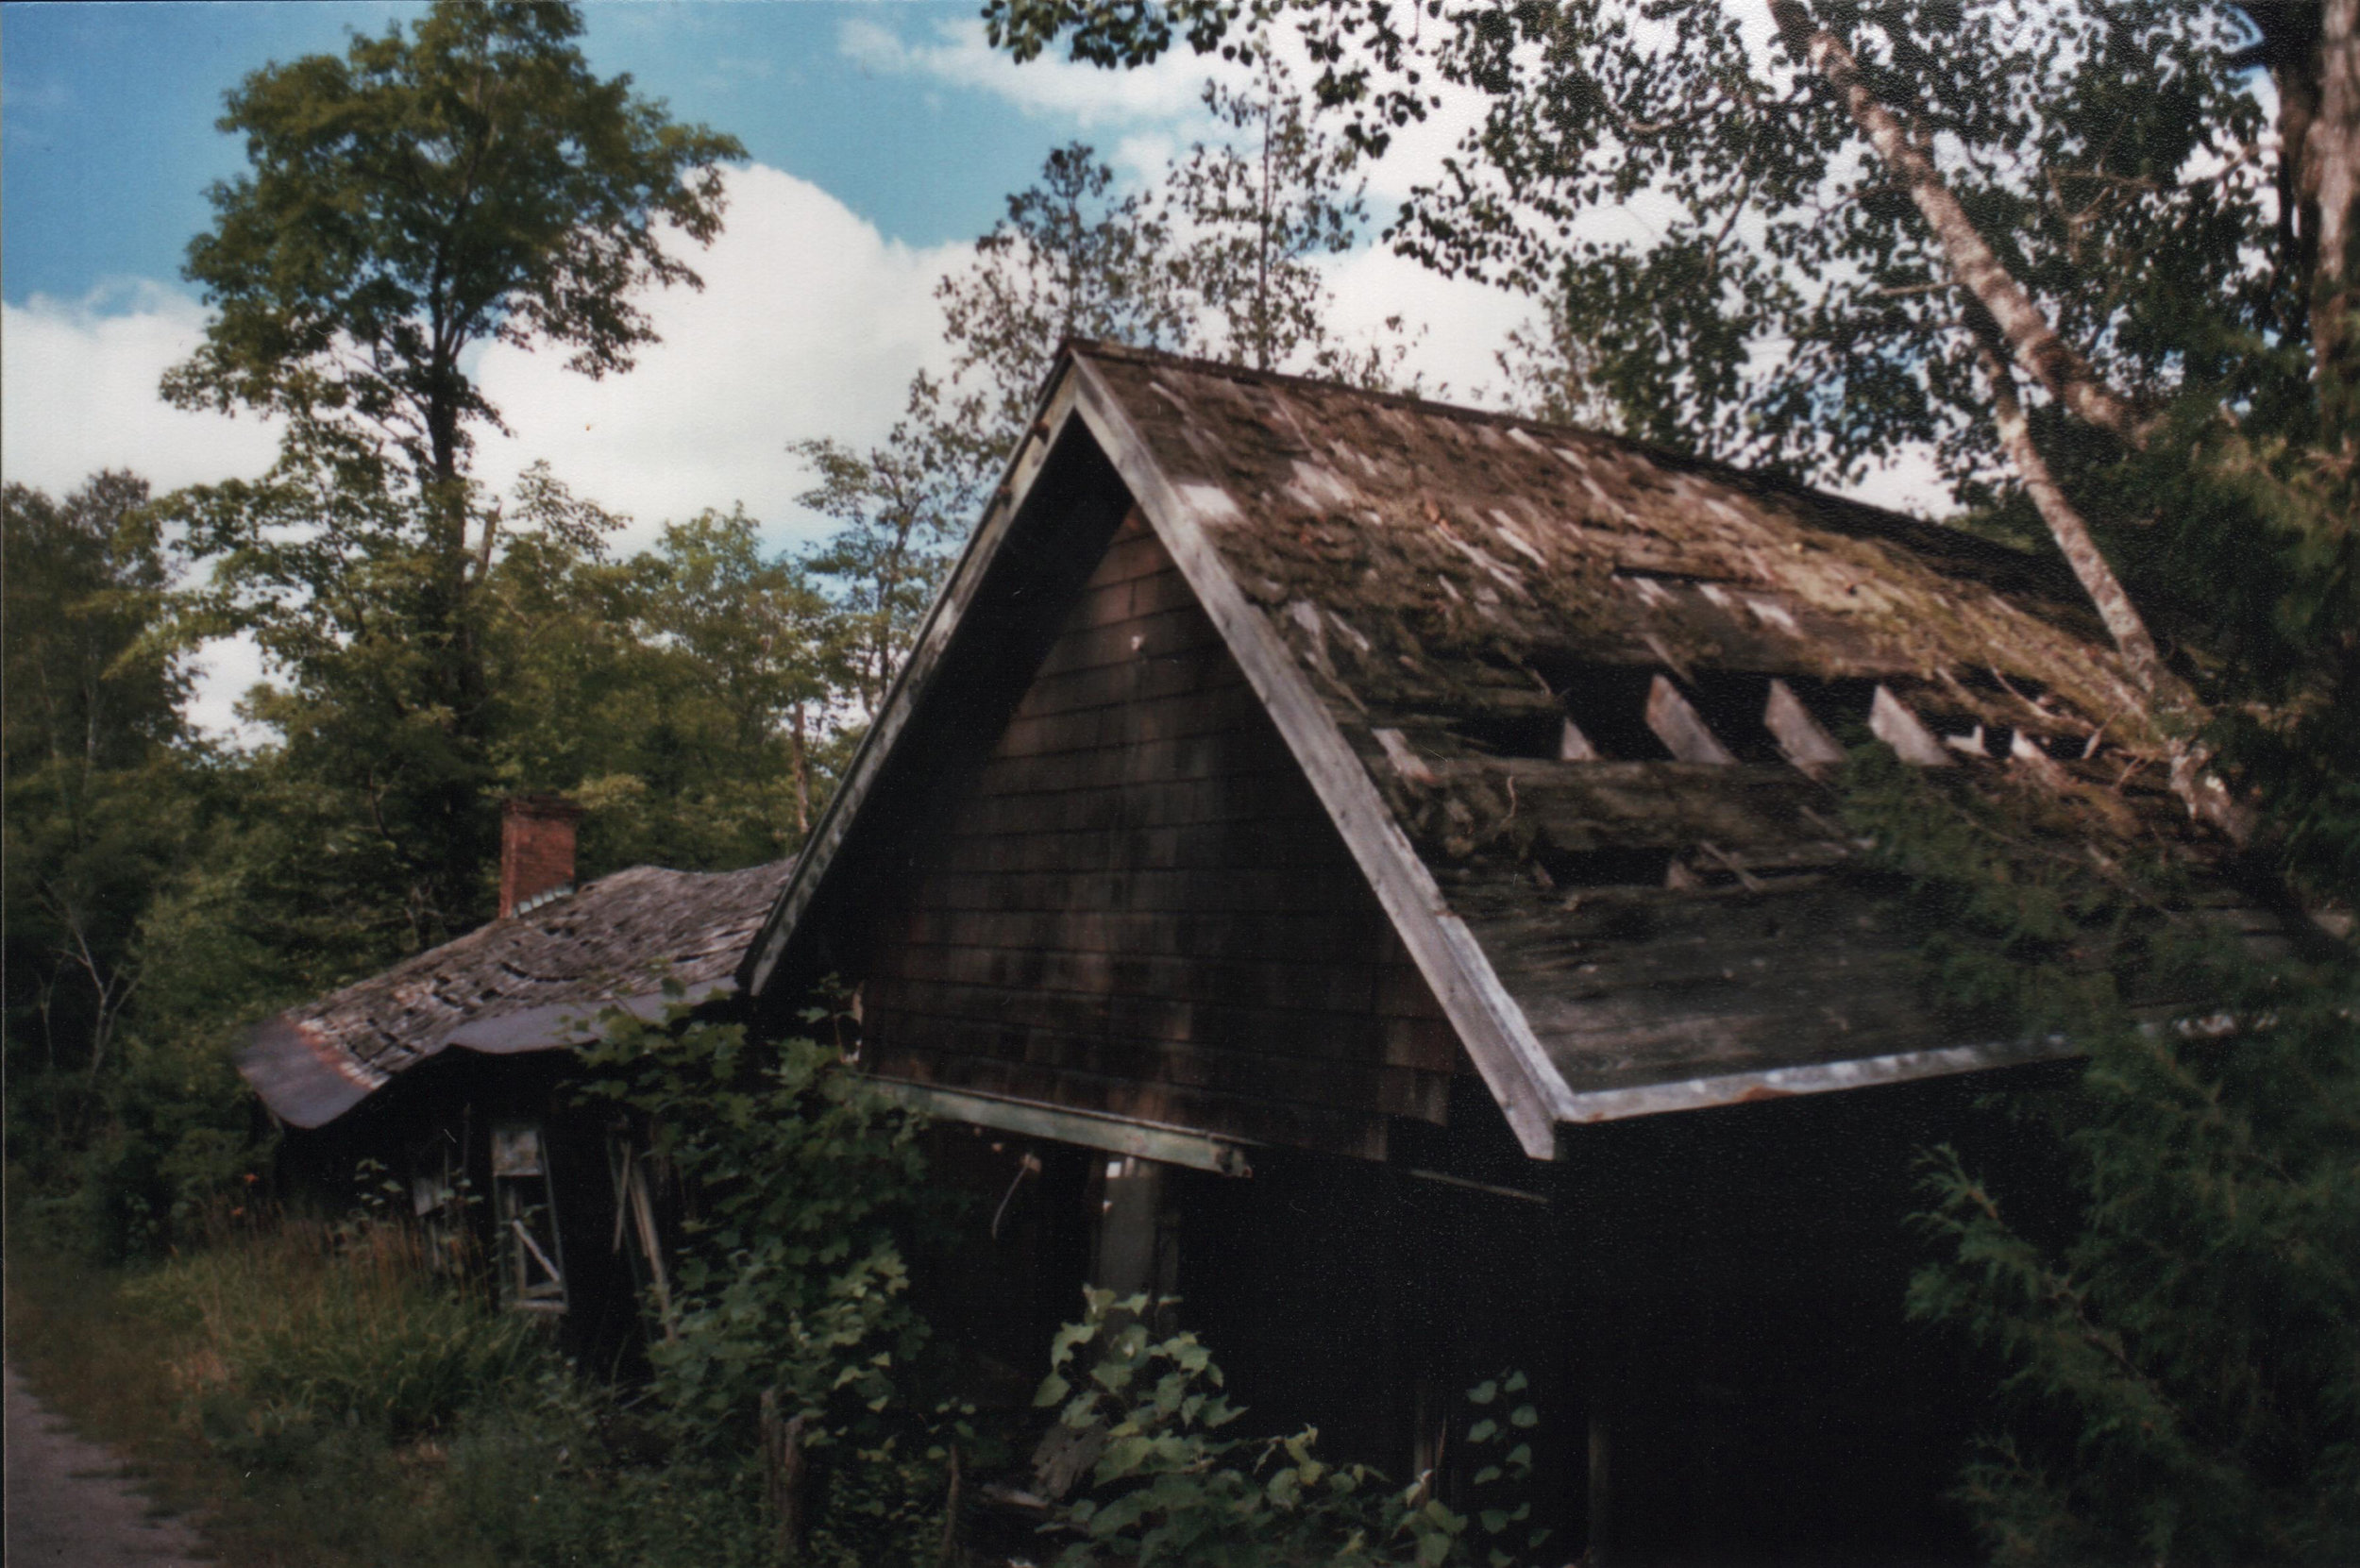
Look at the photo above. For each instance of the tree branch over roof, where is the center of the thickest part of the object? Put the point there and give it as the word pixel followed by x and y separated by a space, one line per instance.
pixel 2031 340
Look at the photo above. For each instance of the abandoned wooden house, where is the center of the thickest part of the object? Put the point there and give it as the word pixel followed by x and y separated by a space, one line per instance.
pixel 1367 867
pixel 453 1070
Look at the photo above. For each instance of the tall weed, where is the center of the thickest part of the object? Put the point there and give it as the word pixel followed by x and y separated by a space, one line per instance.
pixel 347 1323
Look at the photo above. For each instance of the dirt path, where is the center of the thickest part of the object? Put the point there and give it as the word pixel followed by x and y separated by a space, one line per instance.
pixel 68 1503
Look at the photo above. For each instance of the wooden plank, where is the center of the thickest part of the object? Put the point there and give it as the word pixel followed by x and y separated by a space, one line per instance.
pixel 1114 1134
pixel 1402 992
pixel 1273 842
pixel 1890 722
pixel 1127 722
pixel 1194 889
pixel 1801 739
pixel 1232 798
pixel 1336 986
pixel 1314 938
pixel 1237 1075
pixel 1343 1040
pixel 1302 1126
pixel 1730 1089
pixel 1200 670
pixel 1683 731
pixel 1168 634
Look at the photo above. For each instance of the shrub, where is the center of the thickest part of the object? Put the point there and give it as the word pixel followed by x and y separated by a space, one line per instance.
pixel 1168 1488
pixel 805 1187
pixel 2180 1359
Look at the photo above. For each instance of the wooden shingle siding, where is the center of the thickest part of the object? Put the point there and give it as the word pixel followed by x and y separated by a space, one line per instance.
pixel 1140 907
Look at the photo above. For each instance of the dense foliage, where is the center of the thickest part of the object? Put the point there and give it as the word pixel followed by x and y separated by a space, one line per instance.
pixel 2181 1382
pixel 1169 1487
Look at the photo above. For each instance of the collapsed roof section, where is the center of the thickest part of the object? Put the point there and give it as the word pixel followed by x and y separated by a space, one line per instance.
pixel 1572 702
pixel 534 981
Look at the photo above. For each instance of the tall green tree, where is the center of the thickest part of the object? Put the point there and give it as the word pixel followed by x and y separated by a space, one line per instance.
pixel 465 180
pixel 96 805
pixel 681 691
pixel 1252 213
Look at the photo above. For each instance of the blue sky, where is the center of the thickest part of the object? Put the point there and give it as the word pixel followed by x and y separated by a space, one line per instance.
pixel 107 142
pixel 881 140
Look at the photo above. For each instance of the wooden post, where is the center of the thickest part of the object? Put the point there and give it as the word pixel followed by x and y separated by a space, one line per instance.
pixel 949 1552
pixel 782 1473
pixel 1595 1554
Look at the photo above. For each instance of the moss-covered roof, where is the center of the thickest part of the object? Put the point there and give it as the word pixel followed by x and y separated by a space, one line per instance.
pixel 1574 702
pixel 534 981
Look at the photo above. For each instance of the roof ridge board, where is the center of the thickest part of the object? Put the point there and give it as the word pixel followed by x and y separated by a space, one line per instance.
pixel 1920 536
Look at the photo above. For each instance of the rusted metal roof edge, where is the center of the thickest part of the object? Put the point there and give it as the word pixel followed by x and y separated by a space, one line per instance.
pixel 909 686
pixel 1737 1088
pixel 1499 1039
pixel 1160 1142
pixel 305 1079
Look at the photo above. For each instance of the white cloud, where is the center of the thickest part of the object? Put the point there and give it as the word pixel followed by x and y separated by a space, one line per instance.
pixel 809 324
pixel 77 394
pixel 958 55
pixel 1465 322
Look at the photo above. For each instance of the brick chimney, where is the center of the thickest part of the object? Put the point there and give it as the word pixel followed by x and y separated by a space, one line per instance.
pixel 536 850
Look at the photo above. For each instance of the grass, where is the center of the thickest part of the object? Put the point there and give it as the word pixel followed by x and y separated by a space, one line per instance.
pixel 322 1396
pixel 317 1397
pixel 297 1403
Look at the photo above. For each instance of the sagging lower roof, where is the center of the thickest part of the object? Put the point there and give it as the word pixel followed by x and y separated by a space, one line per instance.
pixel 1572 701
pixel 534 981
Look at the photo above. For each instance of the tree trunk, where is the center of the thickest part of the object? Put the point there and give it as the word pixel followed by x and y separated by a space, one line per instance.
pixel 2166 694
pixel 782 1465
pixel 2328 180
pixel 802 775
pixel 2122 618
pixel 2031 340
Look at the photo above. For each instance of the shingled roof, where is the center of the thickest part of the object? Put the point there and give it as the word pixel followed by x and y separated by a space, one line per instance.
pixel 1571 703
pixel 534 981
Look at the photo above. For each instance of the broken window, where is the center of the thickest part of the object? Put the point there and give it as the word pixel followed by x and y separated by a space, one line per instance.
pixel 636 1234
pixel 438 1198
pixel 524 1206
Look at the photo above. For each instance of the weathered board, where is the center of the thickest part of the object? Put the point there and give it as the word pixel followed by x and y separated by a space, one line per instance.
pixel 1134 904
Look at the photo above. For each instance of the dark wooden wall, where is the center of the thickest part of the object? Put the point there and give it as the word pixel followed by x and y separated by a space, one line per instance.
pixel 1137 904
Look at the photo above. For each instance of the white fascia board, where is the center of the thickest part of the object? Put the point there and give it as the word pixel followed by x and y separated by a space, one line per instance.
pixel 909 685
pixel 1499 1039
